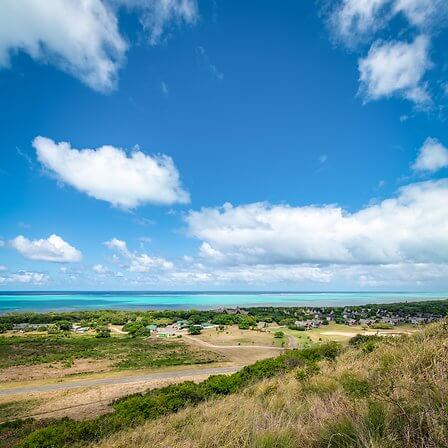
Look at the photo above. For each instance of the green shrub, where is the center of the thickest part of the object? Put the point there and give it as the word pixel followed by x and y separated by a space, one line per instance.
pixel 308 370
pixel 279 334
pixel 103 332
pixel 355 386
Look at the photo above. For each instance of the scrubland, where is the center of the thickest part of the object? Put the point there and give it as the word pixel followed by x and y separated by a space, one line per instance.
pixel 387 393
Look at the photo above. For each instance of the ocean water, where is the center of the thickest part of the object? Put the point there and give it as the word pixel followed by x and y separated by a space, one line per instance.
pixel 72 301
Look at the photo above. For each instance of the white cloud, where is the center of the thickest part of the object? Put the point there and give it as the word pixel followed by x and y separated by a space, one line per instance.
pixel 82 38
pixel 421 13
pixel 2 243
pixel 109 174
pixel 158 15
pixel 396 68
pixel 432 157
pixel 391 68
pixel 323 158
pixel 258 274
pixel 354 20
pixel 100 269
pixel 54 249
pixel 409 228
pixel 137 262
pixel 209 252
pixel 35 278
pixel 3 267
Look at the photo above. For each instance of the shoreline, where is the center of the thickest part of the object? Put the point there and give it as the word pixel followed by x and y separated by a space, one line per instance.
pixel 26 302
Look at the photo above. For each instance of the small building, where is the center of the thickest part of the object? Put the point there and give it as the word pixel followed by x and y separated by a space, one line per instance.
pixel 181 324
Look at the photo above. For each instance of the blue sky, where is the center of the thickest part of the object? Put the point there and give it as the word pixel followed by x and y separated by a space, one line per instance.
pixel 324 125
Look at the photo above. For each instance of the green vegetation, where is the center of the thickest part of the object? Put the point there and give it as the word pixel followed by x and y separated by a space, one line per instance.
pixel 193 330
pixel 136 409
pixel 125 352
pixel 279 334
pixel 244 318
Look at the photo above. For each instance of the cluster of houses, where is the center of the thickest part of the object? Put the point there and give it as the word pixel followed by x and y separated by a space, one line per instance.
pixel 236 310
pixel 364 318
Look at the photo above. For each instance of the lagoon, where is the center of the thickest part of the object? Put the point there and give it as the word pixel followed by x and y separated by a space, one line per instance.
pixel 73 301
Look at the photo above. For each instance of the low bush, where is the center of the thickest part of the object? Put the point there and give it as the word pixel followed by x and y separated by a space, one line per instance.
pixel 356 386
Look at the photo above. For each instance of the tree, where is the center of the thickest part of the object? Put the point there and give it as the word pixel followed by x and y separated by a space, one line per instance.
pixel 193 330
pixel 279 334
pixel 103 332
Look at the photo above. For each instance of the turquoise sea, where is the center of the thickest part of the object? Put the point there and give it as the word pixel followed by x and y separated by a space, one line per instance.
pixel 70 301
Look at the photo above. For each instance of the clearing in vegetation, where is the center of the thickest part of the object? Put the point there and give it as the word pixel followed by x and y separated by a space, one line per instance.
pixel 24 357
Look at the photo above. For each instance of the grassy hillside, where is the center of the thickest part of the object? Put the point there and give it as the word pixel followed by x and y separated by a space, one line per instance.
pixel 389 394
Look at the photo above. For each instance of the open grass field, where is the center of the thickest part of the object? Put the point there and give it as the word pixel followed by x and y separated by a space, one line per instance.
pixel 43 356
pixel 342 333
pixel 232 335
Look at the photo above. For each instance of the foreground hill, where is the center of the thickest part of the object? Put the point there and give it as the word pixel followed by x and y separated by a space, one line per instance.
pixel 379 393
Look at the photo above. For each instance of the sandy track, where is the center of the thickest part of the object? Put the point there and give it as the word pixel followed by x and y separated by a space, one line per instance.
pixel 292 342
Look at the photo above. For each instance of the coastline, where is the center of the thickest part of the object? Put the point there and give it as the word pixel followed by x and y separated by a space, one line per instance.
pixel 47 301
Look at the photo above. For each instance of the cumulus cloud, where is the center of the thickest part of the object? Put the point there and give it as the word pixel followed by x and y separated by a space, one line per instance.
pixel 137 262
pixel 82 37
pixel 432 157
pixel 53 249
pixel 391 67
pixel 34 278
pixel 411 227
pixel 396 68
pixel 110 174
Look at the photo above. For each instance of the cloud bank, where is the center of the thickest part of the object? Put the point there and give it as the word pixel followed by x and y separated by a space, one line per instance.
pixel 411 227
pixel 110 174
pixel 32 278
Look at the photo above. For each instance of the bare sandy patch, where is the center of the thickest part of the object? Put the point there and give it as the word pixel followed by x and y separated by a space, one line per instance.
pixel 232 335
